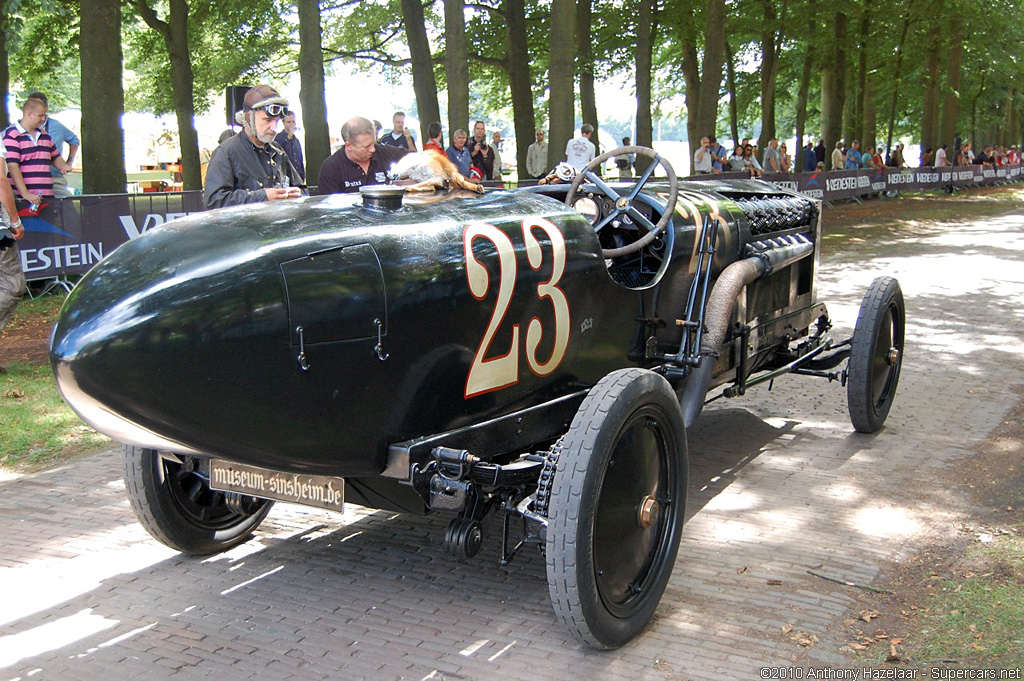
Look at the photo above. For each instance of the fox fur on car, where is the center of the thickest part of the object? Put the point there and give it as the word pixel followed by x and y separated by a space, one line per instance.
pixel 563 172
pixel 428 171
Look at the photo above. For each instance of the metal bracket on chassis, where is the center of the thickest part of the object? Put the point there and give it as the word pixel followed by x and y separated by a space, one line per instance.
pixel 535 527
pixel 818 366
pixel 456 480
pixel 533 509
pixel 813 357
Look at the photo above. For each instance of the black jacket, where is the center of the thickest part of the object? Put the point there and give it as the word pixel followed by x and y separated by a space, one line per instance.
pixel 239 171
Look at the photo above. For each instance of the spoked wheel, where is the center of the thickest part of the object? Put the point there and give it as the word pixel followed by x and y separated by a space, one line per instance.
pixel 616 510
pixel 176 505
pixel 876 355
pixel 624 202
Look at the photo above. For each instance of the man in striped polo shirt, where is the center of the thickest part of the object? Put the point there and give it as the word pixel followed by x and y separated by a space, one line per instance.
pixel 30 153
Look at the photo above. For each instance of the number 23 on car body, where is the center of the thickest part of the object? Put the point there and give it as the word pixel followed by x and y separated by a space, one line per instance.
pixel 489 373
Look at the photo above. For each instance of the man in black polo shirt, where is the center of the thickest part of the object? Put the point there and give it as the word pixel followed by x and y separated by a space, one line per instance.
pixel 360 161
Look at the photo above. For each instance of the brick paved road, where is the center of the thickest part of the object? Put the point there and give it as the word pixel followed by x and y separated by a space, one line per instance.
pixel 779 484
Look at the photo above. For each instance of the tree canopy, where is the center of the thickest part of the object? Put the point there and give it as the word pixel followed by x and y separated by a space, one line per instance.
pixel 923 70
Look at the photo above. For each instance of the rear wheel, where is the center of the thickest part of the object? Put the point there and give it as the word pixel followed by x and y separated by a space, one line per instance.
pixel 616 510
pixel 876 355
pixel 176 505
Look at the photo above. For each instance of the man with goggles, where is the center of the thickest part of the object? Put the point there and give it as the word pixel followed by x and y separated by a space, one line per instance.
pixel 250 167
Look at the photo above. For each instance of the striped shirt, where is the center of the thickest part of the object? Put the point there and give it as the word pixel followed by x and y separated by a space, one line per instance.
pixel 33 154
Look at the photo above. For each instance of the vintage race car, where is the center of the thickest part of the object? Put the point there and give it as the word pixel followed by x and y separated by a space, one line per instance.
pixel 536 353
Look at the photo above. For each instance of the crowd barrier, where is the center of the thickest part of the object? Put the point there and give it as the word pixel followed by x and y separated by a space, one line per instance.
pixel 70 235
pixel 834 185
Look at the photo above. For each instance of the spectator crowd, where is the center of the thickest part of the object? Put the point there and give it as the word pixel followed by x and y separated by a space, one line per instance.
pixel 708 157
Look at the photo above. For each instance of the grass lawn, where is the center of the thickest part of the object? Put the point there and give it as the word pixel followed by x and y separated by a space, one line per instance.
pixel 37 429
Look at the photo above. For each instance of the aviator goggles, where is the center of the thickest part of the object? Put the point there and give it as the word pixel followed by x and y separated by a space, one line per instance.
pixel 276 110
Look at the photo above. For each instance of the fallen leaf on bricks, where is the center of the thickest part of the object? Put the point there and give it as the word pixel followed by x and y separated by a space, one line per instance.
pixel 868 615
pixel 786 628
pixel 803 639
pixel 807 641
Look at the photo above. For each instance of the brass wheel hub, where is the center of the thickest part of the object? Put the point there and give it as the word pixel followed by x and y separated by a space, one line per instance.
pixel 647 513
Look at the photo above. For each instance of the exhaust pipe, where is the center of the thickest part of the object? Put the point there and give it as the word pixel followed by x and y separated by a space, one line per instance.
pixel 764 258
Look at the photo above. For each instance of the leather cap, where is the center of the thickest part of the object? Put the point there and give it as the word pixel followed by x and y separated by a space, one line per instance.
pixel 260 96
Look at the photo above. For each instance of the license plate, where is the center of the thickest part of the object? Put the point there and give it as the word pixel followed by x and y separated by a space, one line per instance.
pixel 321 491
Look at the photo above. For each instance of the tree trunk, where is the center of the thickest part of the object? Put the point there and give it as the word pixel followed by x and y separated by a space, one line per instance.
pixel 803 89
pixel 930 105
pixel 730 76
pixel 897 76
pixel 711 68
pixel 690 67
pixel 644 60
pixel 311 89
pixel 456 65
pixel 1006 136
pixel 585 61
pixel 951 99
pixel 833 85
pixel 520 81
pixel 560 79
pixel 769 71
pixel 869 136
pixel 102 98
pixel 5 77
pixel 975 144
pixel 423 82
pixel 849 130
pixel 174 32
pixel 862 75
pixel 182 86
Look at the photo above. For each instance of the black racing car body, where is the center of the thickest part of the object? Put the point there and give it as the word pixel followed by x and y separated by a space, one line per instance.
pixel 461 353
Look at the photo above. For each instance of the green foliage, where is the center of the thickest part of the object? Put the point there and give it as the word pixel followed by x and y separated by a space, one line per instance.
pixel 235 41
pixel 43 49
pixel 230 42
pixel 365 33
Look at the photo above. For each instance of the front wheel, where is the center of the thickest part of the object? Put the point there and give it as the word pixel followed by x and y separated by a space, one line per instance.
pixel 175 504
pixel 876 355
pixel 616 510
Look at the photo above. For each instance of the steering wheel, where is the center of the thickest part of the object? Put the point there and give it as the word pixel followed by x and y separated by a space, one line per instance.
pixel 624 202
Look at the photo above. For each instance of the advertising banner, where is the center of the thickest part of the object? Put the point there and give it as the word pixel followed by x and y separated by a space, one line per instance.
pixel 848 184
pixel 825 185
pixel 70 235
